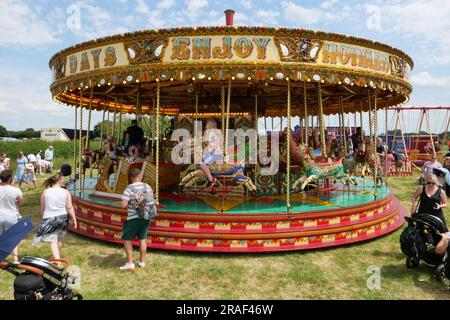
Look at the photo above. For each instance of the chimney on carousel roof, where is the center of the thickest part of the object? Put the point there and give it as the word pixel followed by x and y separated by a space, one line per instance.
pixel 229 16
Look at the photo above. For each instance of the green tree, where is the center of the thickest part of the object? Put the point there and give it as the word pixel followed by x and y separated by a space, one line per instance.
pixel 3 131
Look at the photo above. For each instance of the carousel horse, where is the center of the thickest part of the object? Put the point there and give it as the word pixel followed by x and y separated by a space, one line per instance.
pixel 220 171
pixel 364 158
pixel 313 171
pixel 104 167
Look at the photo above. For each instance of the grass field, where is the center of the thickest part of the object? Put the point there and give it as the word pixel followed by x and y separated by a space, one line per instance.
pixel 338 273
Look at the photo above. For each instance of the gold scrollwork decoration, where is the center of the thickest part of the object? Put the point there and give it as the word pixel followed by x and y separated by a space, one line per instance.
pixel 298 49
pixel 145 51
pixel 398 66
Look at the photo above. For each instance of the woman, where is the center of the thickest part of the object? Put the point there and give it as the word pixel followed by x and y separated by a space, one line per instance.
pixel 432 199
pixel 56 207
pixel 20 171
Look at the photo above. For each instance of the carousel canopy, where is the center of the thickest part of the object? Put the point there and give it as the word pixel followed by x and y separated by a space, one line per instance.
pixel 121 72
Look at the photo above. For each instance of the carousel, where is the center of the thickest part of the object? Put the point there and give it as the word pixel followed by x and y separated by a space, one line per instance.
pixel 300 188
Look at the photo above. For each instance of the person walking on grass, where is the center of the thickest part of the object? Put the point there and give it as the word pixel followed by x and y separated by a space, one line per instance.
pixel 56 211
pixel 140 203
pixel 10 200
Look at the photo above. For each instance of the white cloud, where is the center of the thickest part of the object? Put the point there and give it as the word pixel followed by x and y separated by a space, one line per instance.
pixel 302 15
pixel 266 17
pixel 142 7
pixel 195 5
pixel 327 4
pixel 165 4
pixel 425 79
pixel 21 25
pixel 426 22
pixel 247 4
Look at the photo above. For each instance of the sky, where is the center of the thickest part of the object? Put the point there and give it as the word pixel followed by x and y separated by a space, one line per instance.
pixel 32 31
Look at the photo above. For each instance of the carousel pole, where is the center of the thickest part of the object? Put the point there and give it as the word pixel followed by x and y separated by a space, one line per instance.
pixel 158 92
pixel 107 124
pixel 114 117
pixel 386 142
pixel 138 108
pixel 80 147
pixel 361 114
pixel 288 152
pixel 372 137
pixel 321 121
pixel 305 106
pixel 227 120
pixel 88 129
pixel 75 137
pixel 119 130
pixel 257 135
pixel 102 128
pixel 429 132
pixel 223 106
pixel 89 119
pixel 340 120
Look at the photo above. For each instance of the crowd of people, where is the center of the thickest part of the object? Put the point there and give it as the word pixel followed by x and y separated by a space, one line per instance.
pixel 56 209
pixel 28 166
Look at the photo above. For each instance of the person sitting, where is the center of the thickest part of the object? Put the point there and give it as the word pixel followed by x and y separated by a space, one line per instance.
pixel 432 199
pixel 430 165
pixel 135 135
pixel 357 140
pixel 213 153
pixel 442 246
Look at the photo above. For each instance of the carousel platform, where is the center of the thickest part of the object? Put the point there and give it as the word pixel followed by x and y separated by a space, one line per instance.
pixel 214 223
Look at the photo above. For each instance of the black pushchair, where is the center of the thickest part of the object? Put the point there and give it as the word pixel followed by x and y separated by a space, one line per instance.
pixel 418 241
pixel 36 278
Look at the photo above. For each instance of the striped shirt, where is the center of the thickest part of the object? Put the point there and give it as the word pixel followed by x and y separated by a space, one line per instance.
pixel 134 188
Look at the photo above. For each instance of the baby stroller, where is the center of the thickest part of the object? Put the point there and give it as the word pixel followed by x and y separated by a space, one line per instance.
pixel 36 278
pixel 418 241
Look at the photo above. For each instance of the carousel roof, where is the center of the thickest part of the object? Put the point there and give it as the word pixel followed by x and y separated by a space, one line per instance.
pixel 122 72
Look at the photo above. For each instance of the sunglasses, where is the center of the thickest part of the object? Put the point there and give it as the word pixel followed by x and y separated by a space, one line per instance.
pixel 431 183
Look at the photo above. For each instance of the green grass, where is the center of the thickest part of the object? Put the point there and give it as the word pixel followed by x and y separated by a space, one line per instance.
pixel 336 273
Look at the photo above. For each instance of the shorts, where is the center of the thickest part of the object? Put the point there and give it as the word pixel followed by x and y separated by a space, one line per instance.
pixel 135 228
pixel 7 221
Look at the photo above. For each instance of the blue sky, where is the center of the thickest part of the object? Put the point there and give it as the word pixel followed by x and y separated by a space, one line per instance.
pixel 32 31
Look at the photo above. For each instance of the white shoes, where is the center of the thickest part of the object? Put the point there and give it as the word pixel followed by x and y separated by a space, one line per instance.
pixel 127 267
pixel 141 264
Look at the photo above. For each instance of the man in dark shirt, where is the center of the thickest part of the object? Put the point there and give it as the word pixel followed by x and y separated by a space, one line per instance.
pixel 135 134
pixel 357 139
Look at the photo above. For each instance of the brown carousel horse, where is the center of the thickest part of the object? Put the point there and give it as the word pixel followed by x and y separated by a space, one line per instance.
pixel 364 157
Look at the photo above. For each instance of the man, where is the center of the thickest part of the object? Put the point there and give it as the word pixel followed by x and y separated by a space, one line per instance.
pixel 357 139
pixel 135 135
pixel 49 153
pixel 135 226
pixel 10 200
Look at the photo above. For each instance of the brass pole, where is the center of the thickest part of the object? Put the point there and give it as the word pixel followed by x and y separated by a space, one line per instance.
pixel 288 151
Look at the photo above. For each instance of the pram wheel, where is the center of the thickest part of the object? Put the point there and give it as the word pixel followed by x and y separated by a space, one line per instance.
pixel 412 262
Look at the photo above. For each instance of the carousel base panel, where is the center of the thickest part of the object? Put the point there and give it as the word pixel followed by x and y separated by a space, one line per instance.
pixel 344 215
